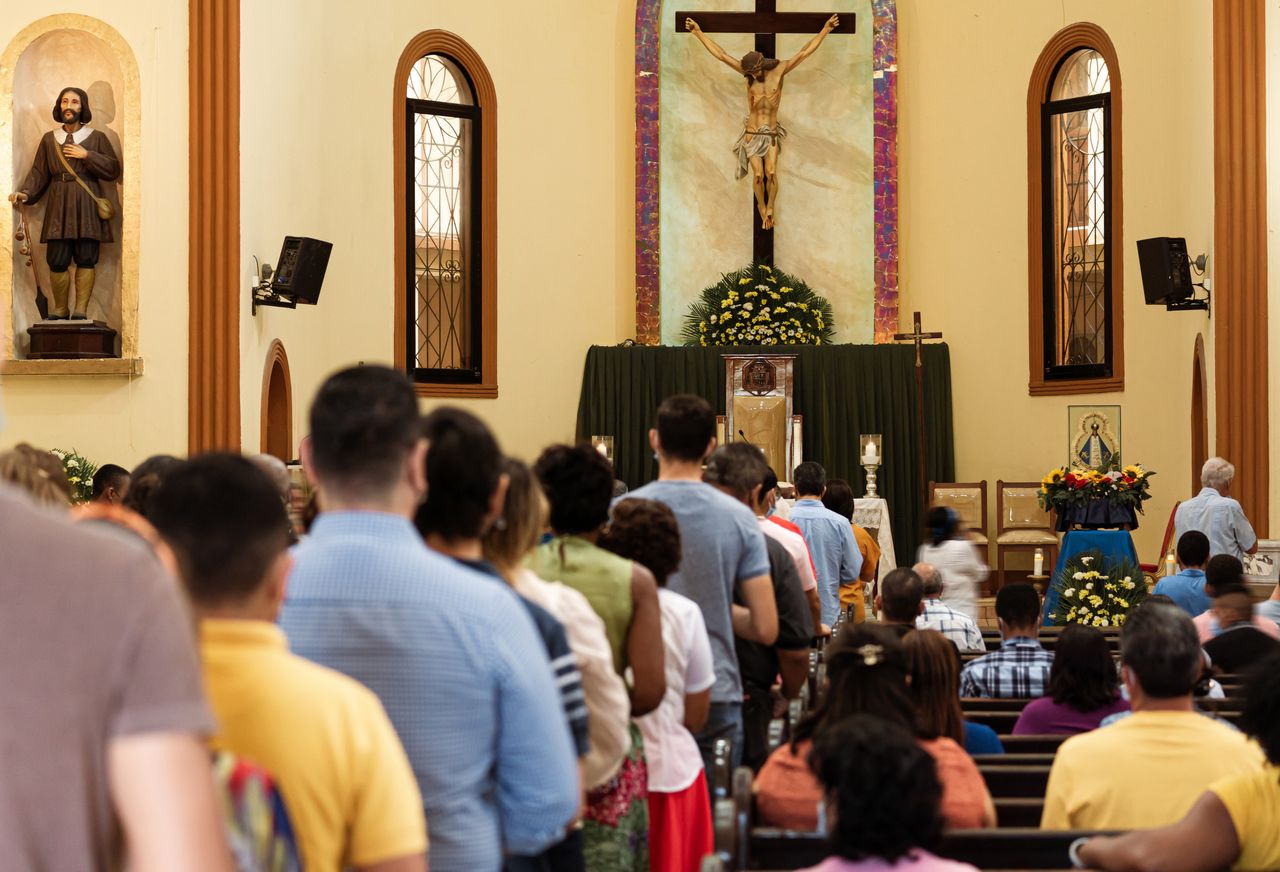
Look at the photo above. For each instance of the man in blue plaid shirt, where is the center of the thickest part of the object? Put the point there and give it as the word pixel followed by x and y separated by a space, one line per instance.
pixel 1020 667
pixel 937 615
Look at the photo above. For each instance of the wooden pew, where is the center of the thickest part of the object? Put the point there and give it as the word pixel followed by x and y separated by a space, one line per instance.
pixel 1031 744
pixel 1013 812
pixel 1000 721
pixel 1016 782
pixel 1013 848
pixel 1013 759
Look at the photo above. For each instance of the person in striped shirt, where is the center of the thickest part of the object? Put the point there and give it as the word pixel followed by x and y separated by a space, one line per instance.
pixel 466 490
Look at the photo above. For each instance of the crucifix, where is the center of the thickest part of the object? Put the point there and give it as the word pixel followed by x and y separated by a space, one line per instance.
pixel 761 139
pixel 918 336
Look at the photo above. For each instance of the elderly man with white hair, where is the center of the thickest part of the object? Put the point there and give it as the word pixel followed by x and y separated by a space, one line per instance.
pixel 1214 513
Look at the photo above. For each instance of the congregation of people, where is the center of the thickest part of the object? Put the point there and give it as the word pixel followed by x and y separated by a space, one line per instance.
pixel 461 661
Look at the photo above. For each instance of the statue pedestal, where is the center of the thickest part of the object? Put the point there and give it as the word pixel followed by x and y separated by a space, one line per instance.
pixel 71 340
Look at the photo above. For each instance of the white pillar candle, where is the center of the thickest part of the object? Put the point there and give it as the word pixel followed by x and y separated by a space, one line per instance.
pixel 1170 565
pixel 1039 563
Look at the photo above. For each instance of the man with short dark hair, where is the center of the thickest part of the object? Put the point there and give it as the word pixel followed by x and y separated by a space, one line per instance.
pixel 1232 824
pixel 1239 644
pixel 110 483
pixel 831 542
pixel 901 600
pixel 456 661
pixel 937 615
pixel 1146 770
pixel 787 533
pixel 739 471
pixel 1222 572
pixel 1187 587
pixel 724 561
pixel 1020 667
pixel 342 771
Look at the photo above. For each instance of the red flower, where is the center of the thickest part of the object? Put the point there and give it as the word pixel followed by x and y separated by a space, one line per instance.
pixel 1081 483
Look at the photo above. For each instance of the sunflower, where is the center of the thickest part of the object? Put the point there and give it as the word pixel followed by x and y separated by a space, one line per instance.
pixel 1054 477
pixel 1135 470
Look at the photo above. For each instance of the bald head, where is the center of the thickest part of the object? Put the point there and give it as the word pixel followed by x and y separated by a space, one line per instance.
pixel 931 578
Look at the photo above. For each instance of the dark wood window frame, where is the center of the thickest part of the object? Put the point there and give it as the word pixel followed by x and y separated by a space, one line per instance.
pixel 483 382
pixel 1044 380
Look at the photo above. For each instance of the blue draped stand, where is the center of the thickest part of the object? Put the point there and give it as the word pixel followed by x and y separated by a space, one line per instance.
pixel 1114 545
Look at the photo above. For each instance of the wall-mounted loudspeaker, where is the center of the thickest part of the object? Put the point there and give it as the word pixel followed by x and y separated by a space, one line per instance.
pixel 300 270
pixel 1166 269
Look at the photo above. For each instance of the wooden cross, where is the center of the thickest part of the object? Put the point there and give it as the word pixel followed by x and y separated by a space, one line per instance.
pixel 766 23
pixel 918 336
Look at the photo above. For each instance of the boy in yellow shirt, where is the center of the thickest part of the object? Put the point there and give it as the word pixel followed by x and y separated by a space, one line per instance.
pixel 341 769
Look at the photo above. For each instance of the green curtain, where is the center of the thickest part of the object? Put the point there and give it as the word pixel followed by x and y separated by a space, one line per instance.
pixel 841 390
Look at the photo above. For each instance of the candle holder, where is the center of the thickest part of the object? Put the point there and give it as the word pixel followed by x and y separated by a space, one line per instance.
pixel 870 456
pixel 603 444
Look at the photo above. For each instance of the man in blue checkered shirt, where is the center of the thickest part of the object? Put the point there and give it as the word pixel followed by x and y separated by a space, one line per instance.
pixel 937 615
pixel 1020 667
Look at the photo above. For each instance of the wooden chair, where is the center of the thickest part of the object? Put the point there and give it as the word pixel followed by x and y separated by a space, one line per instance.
pixel 1021 525
pixel 969 500
pixel 1153 570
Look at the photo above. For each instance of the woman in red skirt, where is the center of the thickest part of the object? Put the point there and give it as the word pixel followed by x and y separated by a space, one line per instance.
pixel 680 831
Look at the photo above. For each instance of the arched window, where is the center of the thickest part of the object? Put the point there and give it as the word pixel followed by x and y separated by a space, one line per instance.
pixel 1076 278
pixel 446 323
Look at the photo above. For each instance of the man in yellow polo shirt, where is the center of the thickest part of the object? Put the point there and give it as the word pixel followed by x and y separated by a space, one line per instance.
pixel 1148 769
pixel 1232 824
pixel 342 771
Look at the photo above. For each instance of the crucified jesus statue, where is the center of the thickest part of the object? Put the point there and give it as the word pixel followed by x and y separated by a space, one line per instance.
pixel 761 140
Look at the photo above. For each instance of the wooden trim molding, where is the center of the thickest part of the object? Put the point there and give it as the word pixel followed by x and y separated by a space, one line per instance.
pixel 1240 249
pixel 456 48
pixel 1076 36
pixel 277 359
pixel 213 376
pixel 1199 413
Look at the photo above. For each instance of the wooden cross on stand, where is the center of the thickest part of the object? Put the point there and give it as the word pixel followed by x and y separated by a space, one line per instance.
pixel 918 336
pixel 766 23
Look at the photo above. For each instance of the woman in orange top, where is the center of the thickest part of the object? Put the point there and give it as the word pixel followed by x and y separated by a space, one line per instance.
pixel 866 674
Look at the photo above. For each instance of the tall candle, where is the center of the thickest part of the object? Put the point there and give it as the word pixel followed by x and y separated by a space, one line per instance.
pixel 1170 565
pixel 870 456
pixel 1039 563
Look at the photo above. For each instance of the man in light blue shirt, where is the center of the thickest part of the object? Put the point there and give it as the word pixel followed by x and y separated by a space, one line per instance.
pixel 829 536
pixel 1187 587
pixel 454 657
pixel 724 566
pixel 1214 513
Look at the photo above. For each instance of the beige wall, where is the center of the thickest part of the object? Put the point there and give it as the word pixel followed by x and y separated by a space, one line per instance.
pixel 115 419
pixel 963 76
pixel 316 161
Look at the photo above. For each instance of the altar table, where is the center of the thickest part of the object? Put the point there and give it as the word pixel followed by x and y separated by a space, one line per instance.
pixel 1114 545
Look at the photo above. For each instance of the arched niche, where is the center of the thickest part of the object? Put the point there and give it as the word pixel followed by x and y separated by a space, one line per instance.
pixel 1199 413
pixel 47 55
pixel 277 404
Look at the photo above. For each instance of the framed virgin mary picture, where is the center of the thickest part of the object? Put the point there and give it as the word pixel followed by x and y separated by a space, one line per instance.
pixel 1093 436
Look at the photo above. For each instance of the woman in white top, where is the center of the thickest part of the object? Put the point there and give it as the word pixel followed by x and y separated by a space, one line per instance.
pixel 947 547
pixel 680 831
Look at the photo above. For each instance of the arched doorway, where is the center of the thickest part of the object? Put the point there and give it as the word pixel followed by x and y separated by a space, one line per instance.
pixel 1199 414
pixel 277 404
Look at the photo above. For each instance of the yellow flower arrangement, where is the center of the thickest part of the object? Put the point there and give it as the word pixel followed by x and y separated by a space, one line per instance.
pixel 748 308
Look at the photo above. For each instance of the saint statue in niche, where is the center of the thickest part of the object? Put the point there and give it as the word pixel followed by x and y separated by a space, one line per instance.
pixel 1095 444
pixel 70 165
pixel 760 144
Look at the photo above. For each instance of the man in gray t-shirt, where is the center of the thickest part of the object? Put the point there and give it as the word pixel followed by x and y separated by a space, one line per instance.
pixel 105 719
pixel 723 552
